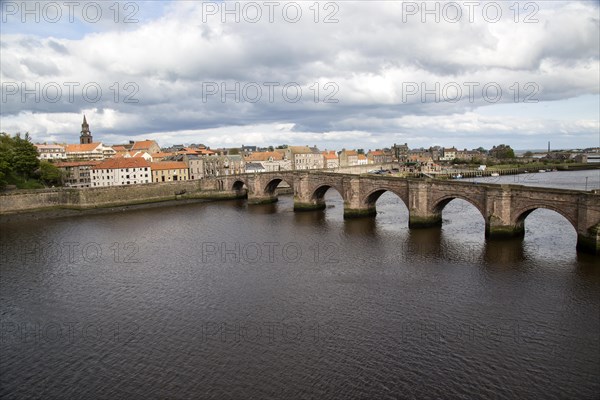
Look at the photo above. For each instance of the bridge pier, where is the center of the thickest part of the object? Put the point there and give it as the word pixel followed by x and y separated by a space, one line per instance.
pixel 497 229
pixel 367 211
pixel 418 219
pixel 262 199
pixel 420 212
pixel 308 205
pixel 589 242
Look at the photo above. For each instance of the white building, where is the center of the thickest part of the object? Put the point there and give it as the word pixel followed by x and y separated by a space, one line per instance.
pixel 89 151
pixel 51 152
pixel 121 171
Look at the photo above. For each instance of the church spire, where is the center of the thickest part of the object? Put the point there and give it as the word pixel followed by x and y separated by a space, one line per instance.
pixel 86 135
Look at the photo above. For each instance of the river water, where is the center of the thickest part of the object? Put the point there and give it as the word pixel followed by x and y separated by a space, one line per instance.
pixel 224 300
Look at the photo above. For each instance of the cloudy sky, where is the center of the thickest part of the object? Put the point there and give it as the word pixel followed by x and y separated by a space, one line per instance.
pixel 351 74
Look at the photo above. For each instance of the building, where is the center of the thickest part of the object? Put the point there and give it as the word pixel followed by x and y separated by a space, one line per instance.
pixel 195 165
pixel 270 160
pixel 121 171
pixel 303 157
pixel 233 164
pixel 219 165
pixel 144 154
pixel 254 167
pixel 379 157
pixel 400 151
pixel 348 158
pixel 146 145
pixel 169 171
pixel 88 151
pixel 362 160
pixel 51 152
pixel 331 159
pixel 120 149
pixel 77 173
pixel 161 156
pixel 449 154
pixel 85 136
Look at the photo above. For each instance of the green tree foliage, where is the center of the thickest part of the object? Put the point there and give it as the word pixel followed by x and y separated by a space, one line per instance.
pixel 502 152
pixel 5 162
pixel 24 156
pixel 50 174
pixel 18 160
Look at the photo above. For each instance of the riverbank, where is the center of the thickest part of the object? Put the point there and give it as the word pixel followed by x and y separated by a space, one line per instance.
pixel 58 211
pixel 504 170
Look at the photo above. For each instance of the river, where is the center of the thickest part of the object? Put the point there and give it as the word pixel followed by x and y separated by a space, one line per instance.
pixel 224 300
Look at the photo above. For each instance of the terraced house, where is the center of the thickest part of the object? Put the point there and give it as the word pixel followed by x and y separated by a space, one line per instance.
pixel 121 171
pixel 169 171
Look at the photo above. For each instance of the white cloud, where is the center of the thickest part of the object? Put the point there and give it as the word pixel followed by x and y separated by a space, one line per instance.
pixel 371 55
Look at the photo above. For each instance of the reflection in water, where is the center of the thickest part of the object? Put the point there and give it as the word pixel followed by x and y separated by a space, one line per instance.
pixel 270 208
pixel 360 227
pixel 310 218
pixel 507 252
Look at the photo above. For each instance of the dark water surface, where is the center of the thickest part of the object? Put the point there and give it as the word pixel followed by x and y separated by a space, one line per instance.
pixel 225 300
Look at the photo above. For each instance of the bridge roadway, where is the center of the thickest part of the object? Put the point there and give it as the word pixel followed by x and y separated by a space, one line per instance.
pixel 503 207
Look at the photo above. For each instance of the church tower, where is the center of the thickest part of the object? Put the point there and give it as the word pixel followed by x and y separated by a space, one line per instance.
pixel 86 135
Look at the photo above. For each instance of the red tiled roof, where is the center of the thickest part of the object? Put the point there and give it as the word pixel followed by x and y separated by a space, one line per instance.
pixel 143 144
pixel 122 162
pixel 78 148
pixel 163 165
pixel 75 163
pixel 162 155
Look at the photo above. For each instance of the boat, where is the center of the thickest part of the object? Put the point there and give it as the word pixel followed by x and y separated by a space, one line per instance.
pixel 542 170
pixel 495 174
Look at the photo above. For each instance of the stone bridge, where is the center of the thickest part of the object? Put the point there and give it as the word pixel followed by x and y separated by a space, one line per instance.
pixel 503 207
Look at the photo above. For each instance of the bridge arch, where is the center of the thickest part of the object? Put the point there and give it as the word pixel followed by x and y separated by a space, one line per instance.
pixel 318 193
pixel 371 198
pixel 239 186
pixel 440 203
pixel 274 182
pixel 522 214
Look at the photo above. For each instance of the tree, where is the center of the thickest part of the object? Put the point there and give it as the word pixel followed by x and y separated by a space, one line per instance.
pixel 5 156
pixel 502 152
pixel 50 174
pixel 527 154
pixel 24 156
pixel 360 151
